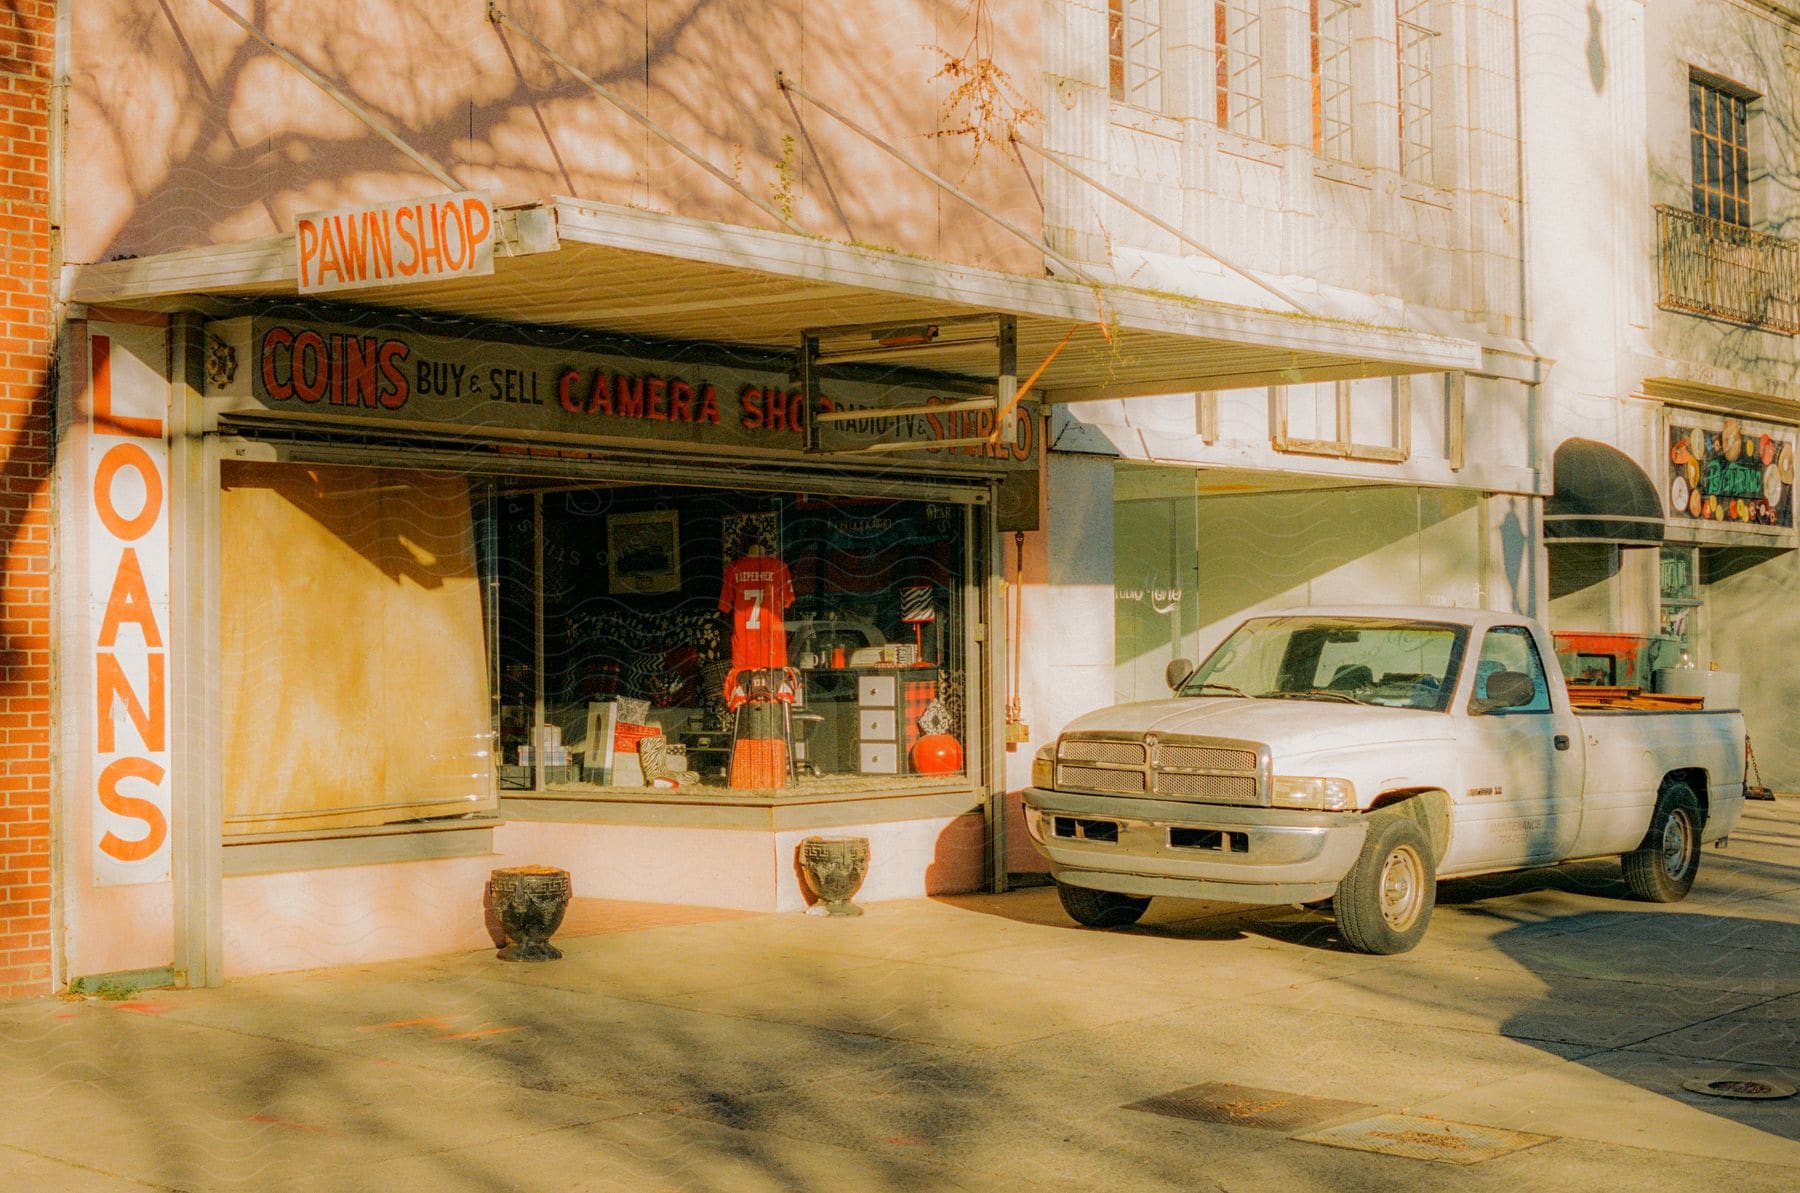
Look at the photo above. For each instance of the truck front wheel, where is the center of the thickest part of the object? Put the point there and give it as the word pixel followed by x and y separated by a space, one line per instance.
pixel 1100 909
pixel 1662 869
pixel 1384 904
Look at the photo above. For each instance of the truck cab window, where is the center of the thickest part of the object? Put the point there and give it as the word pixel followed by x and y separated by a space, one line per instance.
pixel 1509 659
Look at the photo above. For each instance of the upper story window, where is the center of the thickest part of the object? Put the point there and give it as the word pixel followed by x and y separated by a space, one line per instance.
pixel 1718 120
pixel 1331 95
pixel 1134 30
pixel 1414 36
pixel 1238 69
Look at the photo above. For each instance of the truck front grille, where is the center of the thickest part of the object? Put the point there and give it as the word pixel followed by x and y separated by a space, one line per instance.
pixel 1111 753
pixel 1187 757
pixel 1103 782
pixel 1206 770
pixel 1212 789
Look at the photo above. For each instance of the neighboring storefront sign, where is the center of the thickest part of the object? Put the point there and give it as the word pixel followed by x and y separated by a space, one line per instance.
pixel 128 586
pixel 316 372
pixel 388 244
pixel 1730 471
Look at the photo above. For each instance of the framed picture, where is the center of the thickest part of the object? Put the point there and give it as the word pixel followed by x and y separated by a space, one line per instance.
pixel 739 531
pixel 643 552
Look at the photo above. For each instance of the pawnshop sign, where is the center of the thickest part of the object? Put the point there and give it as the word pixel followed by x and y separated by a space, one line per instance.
pixel 419 240
pixel 127 503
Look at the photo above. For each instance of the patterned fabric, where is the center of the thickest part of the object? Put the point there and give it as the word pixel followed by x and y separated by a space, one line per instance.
pixel 760 684
pixel 915 604
pixel 916 695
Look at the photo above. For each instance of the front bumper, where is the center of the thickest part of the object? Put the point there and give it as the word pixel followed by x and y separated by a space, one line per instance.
pixel 1159 847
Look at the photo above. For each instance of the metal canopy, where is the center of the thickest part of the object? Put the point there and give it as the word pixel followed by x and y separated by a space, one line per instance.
pixel 1601 496
pixel 570 262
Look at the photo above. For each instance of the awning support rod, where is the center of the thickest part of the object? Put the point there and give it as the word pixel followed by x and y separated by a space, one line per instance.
pixel 1151 216
pixel 787 84
pixel 1019 396
pixel 626 106
pixel 344 101
pixel 819 164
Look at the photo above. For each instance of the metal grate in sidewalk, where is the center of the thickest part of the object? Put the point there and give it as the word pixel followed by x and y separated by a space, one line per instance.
pixel 1247 1106
pixel 1425 1139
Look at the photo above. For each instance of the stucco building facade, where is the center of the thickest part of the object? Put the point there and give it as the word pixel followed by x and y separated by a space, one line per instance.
pixel 1662 280
pixel 428 383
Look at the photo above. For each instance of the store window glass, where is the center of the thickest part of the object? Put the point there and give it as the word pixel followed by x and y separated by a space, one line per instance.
pixel 709 641
pixel 1680 591
pixel 1155 573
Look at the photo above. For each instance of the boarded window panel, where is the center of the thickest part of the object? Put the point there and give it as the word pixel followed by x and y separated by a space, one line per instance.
pixel 353 662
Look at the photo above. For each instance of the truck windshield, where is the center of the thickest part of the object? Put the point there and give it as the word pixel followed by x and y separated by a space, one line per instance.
pixel 1390 662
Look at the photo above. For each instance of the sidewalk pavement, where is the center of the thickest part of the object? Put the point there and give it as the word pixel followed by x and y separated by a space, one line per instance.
pixel 979 1042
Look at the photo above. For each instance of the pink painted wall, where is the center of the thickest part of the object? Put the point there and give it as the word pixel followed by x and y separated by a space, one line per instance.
pixel 190 133
pixel 746 869
pixel 350 915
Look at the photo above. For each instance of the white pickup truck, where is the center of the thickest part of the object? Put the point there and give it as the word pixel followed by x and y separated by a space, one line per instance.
pixel 1360 754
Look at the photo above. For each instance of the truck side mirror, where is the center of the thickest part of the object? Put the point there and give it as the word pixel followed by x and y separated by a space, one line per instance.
pixel 1177 673
pixel 1506 689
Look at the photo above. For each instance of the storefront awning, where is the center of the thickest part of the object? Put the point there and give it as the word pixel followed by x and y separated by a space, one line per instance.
pixel 1601 496
pixel 569 262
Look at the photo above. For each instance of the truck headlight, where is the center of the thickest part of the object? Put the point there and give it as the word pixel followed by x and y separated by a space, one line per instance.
pixel 1043 767
pixel 1323 795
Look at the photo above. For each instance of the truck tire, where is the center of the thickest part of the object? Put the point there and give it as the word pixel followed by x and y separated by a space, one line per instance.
pixel 1100 909
pixel 1384 904
pixel 1662 869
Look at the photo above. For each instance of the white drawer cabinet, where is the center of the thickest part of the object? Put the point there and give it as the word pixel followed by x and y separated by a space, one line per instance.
pixel 878 724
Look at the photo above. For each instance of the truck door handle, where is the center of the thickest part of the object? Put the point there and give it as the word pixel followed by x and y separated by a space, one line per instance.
pixel 1560 741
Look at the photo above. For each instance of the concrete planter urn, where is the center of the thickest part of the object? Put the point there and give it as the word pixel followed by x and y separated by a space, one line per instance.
pixel 834 869
pixel 528 902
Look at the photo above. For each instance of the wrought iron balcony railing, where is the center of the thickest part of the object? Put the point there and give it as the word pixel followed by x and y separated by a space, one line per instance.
pixel 1725 271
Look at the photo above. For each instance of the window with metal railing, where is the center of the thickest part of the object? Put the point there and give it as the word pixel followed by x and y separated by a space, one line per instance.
pixel 1134 30
pixel 1238 66
pixel 1414 35
pixel 1330 30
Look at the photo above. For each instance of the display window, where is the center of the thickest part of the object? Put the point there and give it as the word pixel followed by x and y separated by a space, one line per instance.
pixel 404 645
pixel 708 641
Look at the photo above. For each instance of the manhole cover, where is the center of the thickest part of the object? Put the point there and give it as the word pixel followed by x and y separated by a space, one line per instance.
pixel 1246 1106
pixel 1425 1139
pixel 1740 1087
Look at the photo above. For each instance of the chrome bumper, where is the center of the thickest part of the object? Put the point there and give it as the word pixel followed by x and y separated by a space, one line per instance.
pixel 1159 847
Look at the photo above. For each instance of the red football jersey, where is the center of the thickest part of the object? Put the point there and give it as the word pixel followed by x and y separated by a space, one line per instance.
pixel 757 588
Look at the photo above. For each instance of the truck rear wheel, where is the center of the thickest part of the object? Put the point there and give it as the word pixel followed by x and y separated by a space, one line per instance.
pixel 1384 904
pixel 1662 869
pixel 1100 909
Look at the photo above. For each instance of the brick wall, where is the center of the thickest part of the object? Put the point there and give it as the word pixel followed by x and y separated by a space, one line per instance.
pixel 26 30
